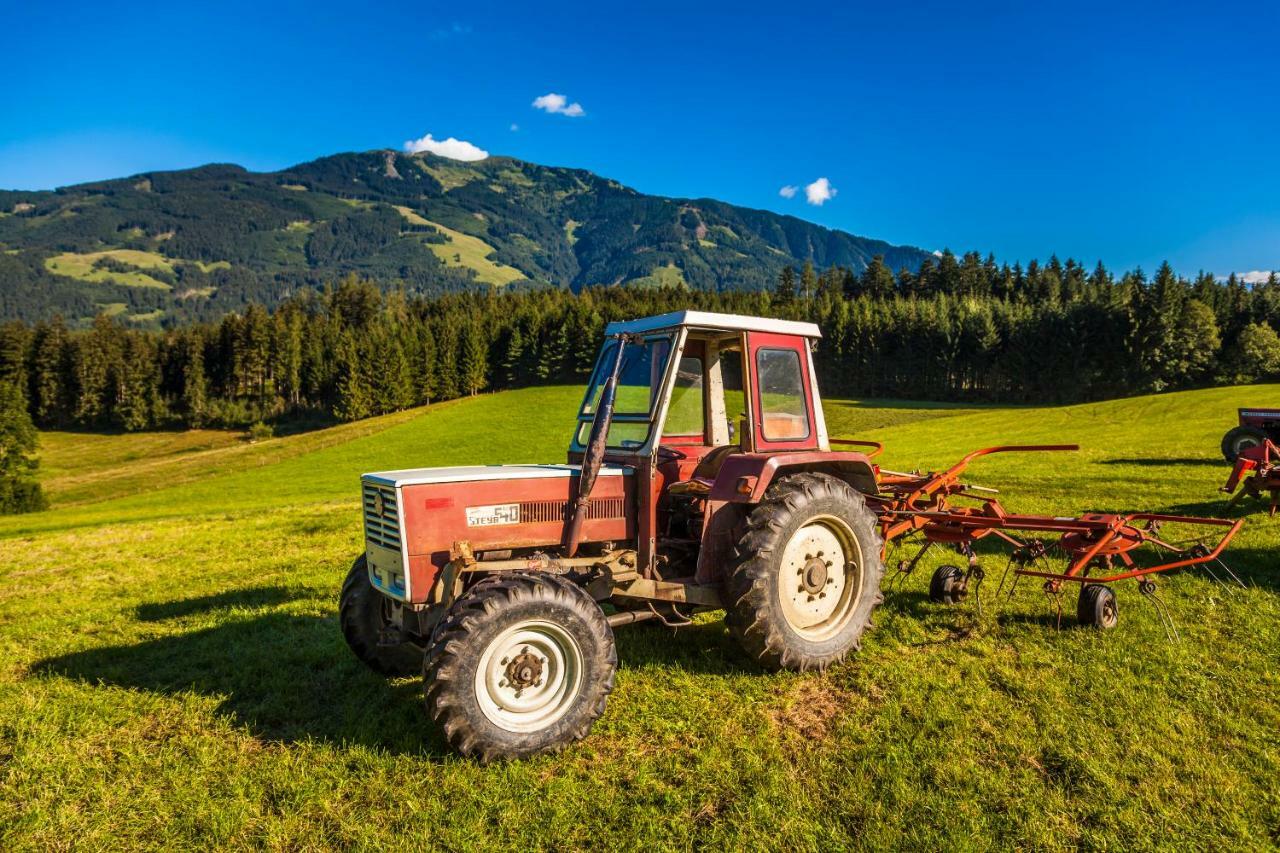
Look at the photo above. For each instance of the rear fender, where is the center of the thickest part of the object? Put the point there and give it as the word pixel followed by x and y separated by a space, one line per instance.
pixel 745 477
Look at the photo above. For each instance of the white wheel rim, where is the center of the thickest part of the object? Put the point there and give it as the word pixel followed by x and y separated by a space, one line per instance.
pixel 546 663
pixel 820 578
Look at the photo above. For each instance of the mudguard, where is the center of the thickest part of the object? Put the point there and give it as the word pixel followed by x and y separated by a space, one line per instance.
pixel 744 477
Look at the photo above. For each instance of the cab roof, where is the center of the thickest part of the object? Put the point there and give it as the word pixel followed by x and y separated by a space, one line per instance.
pixel 709 320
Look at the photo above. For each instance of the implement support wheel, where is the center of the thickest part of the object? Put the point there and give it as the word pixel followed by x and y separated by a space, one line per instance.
pixel 1097 607
pixel 948 585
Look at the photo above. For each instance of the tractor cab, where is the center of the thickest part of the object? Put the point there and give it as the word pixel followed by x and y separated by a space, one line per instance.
pixel 693 382
pixel 695 395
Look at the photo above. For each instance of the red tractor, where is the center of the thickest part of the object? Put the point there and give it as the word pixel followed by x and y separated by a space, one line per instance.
pixel 1256 426
pixel 699 476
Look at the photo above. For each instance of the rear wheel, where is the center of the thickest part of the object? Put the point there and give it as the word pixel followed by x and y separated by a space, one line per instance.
pixel 1097 607
pixel 1239 439
pixel 521 665
pixel 365 615
pixel 807 576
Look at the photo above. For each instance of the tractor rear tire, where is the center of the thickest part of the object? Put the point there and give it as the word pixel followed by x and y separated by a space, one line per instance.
pixel 1241 438
pixel 522 664
pixel 1097 607
pixel 363 613
pixel 800 592
pixel 947 586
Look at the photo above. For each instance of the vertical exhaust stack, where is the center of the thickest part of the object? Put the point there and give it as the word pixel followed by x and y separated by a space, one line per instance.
pixel 594 456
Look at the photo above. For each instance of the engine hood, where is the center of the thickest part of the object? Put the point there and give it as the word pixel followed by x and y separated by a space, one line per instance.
pixel 478 473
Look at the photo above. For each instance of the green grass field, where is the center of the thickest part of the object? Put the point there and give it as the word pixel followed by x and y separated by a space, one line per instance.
pixel 173 674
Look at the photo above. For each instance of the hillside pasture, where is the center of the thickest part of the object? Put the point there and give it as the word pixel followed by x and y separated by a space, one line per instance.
pixel 173 675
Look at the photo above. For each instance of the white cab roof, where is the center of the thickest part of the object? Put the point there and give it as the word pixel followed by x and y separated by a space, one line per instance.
pixel 475 473
pixel 708 320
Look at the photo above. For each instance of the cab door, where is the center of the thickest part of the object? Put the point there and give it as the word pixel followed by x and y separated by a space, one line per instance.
pixel 781 393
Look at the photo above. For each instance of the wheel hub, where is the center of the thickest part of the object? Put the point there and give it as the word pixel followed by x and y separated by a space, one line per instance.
pixel 525 670
pixel 814 574
pixel 819 578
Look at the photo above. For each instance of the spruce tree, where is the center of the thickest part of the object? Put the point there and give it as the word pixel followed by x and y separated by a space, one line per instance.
pixel 19 491
pixel 785 292
pixel 195 391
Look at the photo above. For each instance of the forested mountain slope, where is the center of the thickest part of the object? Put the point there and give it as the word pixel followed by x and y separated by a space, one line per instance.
pixel 198 243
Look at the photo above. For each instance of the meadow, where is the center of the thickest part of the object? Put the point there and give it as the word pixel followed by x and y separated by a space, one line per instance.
pixel 172 675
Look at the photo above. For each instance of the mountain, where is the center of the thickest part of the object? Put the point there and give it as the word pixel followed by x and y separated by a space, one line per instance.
pixel 197 243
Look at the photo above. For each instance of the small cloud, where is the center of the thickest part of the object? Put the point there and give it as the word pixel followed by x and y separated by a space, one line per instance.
pixel 789 191
pixel 937 254
pixel 452 31
pixel 1256 276
pixel 454 149
pixel 514 127
pixel 558 104
pixel 819 192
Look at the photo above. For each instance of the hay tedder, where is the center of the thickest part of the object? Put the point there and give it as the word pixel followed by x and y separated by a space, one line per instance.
pixel 699 476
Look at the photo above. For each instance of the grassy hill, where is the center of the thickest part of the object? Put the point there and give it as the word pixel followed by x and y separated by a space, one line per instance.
pixel 173 672
pixel 201 242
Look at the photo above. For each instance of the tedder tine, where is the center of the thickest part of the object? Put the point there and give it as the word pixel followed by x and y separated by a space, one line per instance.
pixel 1147 587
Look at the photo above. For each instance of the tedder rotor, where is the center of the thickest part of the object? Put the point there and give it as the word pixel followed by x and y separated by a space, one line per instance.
pixel 699 477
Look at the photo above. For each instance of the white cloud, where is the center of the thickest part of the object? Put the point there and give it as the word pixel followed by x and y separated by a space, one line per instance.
pixel 553 103
pixel 454 149
pixel 1255 276
pixel 937 253
pixel 514 127
pixel 819 192
pixel 789 191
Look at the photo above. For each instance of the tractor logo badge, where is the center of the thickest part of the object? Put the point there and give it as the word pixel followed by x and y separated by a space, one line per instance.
pixel 488 516
pixel 379 505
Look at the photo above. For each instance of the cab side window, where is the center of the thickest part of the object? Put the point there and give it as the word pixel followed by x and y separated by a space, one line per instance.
pixel 783 413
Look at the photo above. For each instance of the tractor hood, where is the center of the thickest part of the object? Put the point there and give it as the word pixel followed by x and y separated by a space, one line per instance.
pixel 415 516
pixel 476 473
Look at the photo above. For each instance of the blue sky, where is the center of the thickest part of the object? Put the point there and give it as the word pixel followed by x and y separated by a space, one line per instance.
pixel 1129 134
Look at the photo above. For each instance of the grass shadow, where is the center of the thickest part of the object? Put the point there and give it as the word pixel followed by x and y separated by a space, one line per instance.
pixel 253 597
pixel 1168 463
pixel 284 677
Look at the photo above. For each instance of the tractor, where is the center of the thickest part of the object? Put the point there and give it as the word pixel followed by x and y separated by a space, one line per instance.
pixel 1255 427
pixel 699 477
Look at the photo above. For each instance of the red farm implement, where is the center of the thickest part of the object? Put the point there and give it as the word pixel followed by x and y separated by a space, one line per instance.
pixel 1093 550
pixel 1256 470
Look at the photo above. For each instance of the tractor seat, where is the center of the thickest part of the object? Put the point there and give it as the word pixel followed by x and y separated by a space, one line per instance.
pixel 704 476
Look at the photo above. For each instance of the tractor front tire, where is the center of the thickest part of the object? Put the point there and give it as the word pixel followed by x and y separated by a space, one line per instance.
pixel 800 592
pixel 364 613
pixel 1097 607
pixel 1239 439
pixel 522 664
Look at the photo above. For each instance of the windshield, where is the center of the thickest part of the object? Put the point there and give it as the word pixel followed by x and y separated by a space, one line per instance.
pixel 639 383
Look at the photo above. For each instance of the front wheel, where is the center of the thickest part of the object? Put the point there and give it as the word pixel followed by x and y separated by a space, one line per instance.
pixel 521 665
pixel 800 593
pixel 365 615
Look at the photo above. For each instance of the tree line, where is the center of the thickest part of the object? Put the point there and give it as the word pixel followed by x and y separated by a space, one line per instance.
pixel 960 328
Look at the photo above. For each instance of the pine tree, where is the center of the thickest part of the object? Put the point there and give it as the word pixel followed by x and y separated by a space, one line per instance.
pixel 428 380
pixel 19 491
pixel 51 374
pixel 785 292
pixel 194 384
pixel 475 359
pixel 808 281
pixel 354 395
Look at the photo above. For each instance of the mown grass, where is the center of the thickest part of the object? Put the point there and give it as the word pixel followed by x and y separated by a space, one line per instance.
pixel 173 675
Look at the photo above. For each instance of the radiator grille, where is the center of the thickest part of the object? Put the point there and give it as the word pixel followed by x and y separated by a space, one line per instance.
pixel 381 517
pixel 532 512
